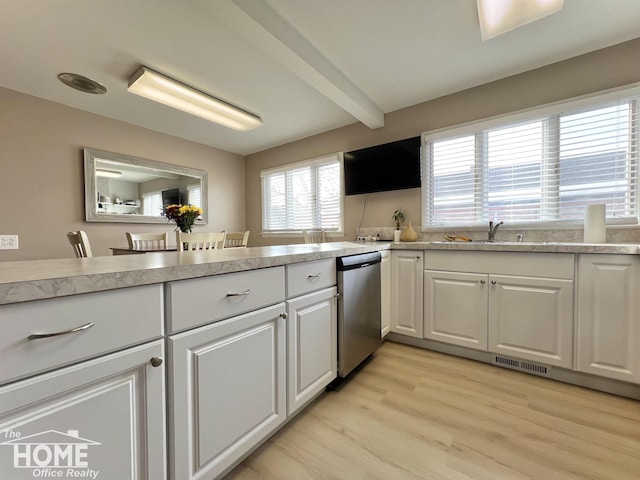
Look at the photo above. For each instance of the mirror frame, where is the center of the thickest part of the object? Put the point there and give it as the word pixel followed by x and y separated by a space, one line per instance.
pixel 90 190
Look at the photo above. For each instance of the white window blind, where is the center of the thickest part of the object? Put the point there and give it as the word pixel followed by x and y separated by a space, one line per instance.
pixel 537 167
pixel 194 197
pixel 304 195
pixel 152 204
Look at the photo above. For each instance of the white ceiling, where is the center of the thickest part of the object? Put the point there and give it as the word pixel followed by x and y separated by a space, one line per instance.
pixel 304 66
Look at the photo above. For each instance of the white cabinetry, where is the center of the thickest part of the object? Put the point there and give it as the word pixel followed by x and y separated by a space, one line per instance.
pixel 227 379
pixel 455 308
pixel 406 292
pixel 311 346
pixel 385 292
pixel 609 316
pixel 227 384
pixel 311 331
pixel 532 318
pixel 515 304
pixel 104 414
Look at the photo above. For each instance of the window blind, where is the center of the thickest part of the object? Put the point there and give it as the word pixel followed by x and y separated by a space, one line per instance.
pixel 304 195
pixel 152 204
pixel 194 197
pixel 536 168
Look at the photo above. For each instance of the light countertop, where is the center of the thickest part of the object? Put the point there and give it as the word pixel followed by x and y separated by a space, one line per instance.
pixel 540 247
pixel 39 279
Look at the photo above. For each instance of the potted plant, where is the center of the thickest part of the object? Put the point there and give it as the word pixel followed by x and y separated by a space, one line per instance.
pixel 398 217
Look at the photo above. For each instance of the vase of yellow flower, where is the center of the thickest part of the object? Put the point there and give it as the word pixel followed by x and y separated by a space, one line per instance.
pixel 184 216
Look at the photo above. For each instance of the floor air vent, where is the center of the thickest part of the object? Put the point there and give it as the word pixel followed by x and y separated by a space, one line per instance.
pixel 521 365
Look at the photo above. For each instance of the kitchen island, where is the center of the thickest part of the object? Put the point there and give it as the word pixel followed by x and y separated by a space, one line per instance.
pixel 205 355
pixel 40 279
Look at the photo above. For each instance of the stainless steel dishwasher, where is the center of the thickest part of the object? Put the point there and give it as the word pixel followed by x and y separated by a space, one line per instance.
pixel 358 309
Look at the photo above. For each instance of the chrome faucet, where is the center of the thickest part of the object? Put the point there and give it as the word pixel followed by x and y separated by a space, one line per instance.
pixel 492 230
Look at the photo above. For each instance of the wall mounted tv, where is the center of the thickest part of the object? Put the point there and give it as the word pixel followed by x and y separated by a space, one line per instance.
pixel 171 197
pixel 391 166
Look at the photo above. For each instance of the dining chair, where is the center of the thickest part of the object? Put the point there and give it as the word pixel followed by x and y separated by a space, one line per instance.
pixel 314 236
pixel 200 240
pixel 237 239
pixel 147 241
pixel 80 243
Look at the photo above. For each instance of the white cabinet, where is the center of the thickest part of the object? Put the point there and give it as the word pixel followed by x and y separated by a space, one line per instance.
pixel 406 292
pixel 311 346
pixel 385 292
pixel 515 304
pixel 532 318
pixel 455 308
pixel 199 301
pixel 104 416
pixel 609 316
pixel 75 328
pixel 227 387
pixel 312 324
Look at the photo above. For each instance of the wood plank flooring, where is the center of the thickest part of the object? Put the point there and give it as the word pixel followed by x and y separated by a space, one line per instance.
pixel 415 414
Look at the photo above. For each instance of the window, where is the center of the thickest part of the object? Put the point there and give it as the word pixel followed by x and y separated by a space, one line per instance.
pixel 152 204
pixel 536 167
pixel 193 195
pixel 302 196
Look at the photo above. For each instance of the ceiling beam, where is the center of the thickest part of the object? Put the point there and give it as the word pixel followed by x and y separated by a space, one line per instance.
pixel 267 30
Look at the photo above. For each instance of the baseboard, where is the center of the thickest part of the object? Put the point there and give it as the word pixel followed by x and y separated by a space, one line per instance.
pixel 607 385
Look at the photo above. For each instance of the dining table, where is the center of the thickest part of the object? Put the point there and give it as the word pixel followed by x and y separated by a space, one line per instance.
pixel 133 251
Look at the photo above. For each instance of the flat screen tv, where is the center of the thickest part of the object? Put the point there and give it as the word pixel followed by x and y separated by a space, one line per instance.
pixel 171 197
pixel 391 166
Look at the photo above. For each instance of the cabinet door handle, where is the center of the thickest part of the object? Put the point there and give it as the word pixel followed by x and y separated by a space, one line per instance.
pixel 156 361
pixel 493 282
pixel 317 275
pixel 284 315
pixel 482 282
pixel 239 294
pixel 36 336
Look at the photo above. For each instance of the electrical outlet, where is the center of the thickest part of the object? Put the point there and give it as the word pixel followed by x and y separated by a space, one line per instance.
pixel 8 242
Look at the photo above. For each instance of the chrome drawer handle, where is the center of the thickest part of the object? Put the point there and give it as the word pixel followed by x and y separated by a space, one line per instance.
pixel 317 275
pixel 37 336
pixel 240 294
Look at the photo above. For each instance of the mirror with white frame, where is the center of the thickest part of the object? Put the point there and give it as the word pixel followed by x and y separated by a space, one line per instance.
pixel 122 188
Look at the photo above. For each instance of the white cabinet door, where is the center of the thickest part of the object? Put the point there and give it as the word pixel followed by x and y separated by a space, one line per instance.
pixel 609 316
pixel 385 292
pixel 102 418
pixel 228 385
pixel 532 318
pixel 455 308
pixel 311 346
pixel 406 292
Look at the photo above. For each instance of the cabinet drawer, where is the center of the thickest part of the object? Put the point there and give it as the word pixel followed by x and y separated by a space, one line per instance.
pixel 549 265
pixel 307 277
pixel 120 318
pixel 204 300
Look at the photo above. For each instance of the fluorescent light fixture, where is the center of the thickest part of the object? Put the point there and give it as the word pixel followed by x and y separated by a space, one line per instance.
pixel 160 88
pixel 501 16
pixel 100 172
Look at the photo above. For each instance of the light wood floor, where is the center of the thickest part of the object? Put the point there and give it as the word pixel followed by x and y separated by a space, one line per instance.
pixel 415 414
